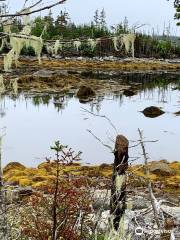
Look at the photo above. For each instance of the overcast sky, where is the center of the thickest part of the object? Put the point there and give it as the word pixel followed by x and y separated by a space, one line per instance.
pixel 154 13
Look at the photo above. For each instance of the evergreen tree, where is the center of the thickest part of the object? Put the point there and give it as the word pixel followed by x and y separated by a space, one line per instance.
pixel 103 19
pixel 96 18
pixel 38 26
pixel 177 7
pixel 62 22
pixel 49 22
pixel 125 25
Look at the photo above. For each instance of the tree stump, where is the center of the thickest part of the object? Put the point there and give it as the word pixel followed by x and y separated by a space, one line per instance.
pixel 118 189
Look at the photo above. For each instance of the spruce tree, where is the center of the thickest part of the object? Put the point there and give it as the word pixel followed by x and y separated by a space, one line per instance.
pixel 177 7
pixel 103 19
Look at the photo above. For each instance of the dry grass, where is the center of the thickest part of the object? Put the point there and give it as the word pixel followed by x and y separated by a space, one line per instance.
pixel 127 65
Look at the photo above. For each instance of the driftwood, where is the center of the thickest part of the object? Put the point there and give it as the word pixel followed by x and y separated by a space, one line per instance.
pixel 118 190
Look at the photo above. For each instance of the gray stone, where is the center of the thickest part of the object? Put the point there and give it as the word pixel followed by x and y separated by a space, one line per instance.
pixel 43 73
pixel 161 168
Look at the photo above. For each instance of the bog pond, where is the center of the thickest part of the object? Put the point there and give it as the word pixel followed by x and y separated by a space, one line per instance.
pixel 34 121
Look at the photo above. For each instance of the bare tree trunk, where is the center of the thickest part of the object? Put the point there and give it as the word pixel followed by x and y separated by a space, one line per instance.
pixel 118 190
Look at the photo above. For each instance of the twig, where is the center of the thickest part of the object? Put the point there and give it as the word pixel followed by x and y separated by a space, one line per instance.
pixel 34 11
pixel 99 140
pixel 154 202
pixel 102 116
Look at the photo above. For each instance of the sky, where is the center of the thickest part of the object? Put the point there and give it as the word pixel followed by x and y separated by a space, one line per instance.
pixel 154 13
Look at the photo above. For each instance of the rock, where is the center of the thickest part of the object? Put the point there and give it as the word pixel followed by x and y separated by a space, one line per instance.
pixel 101 200
pixel 174 211
pixel 85 92
pixel 152 112
pixel 164 161
pixel 16 193
pixel 161 169
pixel 140 203
pixel 104 166
pixel 43 73
pixel 24 191
pixel 129 93
pixel 177 113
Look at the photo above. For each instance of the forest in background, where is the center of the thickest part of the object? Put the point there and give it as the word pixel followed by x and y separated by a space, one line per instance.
pixel 153 45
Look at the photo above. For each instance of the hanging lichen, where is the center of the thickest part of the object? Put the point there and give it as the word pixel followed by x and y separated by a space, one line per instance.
pixel 6 29
pixel 57 46
pixel 128 41
pixel 121 234
pixel 8 60
pixel 26 18
pixel 7 26
pixel 19 41
pixel 2 86
pixel 119 181
pixel 116 43
pixel 37 44
pixel 26 30
pixel 92 43
pixel 3 43
pixel 15 86
pixel 77 45
pixel 50 49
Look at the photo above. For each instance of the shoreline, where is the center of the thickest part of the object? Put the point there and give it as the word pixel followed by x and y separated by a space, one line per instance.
pixel 164 173
pixel 127 64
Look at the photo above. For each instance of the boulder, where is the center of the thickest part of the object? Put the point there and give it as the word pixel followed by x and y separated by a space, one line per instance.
pixel 161 169
pixel 152 112
pixel 85 92
pixel 177 113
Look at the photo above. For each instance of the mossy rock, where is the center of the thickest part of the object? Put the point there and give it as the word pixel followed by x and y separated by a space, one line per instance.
pixel 14 166
pixel 152 112
pixel 161 169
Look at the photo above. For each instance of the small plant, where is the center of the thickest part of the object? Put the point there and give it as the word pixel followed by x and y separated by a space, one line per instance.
pixel 65 155
pixel 57 211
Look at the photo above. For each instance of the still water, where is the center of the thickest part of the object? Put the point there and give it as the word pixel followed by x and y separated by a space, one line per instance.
pixel 33 123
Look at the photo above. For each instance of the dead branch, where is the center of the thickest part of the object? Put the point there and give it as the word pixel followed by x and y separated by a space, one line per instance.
pixel 99 140
pixel 154 202
pixel 19 14
pixel 102 116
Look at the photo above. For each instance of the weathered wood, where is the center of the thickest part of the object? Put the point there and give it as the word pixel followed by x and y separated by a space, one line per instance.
pixel 118 189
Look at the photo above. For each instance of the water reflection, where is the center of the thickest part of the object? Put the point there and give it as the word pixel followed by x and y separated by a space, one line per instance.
pixel 34 122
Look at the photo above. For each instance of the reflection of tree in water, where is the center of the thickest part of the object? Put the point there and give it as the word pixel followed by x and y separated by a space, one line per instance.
pixel 59 101
pixel 163 93
pixel 2 106
pixel 96 104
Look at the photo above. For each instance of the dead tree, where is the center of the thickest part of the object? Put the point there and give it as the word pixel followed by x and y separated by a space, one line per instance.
pixel 118 189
